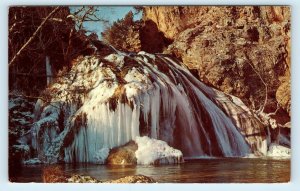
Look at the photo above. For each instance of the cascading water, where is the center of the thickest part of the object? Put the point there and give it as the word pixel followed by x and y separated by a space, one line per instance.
pixel 120 97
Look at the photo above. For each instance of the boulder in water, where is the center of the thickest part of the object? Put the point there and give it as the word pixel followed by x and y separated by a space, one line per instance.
pixel 144 150
pixel 151 151
pixel 133 179
pixel 123 155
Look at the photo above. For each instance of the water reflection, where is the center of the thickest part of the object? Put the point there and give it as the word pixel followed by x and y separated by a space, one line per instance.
pixel 193 171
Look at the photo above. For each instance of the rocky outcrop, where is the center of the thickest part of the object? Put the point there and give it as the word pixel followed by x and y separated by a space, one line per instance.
pixel 126 179
pixel 171 20
pixel 56 174
pixel 53 174
pixel 144 150
pixel 283 93
pixel 139 36
pixel 152 151
pixel 82 179
pixel 241 50
pixel 133 179
pixel 152 39
pixel 124 155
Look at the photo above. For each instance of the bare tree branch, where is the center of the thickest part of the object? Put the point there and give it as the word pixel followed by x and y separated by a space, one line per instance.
pixel 275 112
pixel 33 36
pixel 262 107
pixel 14 25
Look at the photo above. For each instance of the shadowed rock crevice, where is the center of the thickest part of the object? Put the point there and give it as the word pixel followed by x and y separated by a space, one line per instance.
pixel 152 40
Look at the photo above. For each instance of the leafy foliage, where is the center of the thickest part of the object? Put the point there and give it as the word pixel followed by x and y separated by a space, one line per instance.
pixel 123 34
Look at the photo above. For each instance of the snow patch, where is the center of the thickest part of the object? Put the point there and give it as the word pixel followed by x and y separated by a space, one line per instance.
pixel 32 161
pixel 118 59
pixel 24 148
pixel 134 75
pixel 151 150
pixel 152 56
pixel 278 151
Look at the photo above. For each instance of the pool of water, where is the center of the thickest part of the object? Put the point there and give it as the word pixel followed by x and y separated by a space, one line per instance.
pixel 229 170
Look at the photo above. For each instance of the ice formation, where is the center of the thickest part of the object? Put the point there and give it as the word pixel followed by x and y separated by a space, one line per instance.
pixel 104 102
pixel 101 155
pixel 32 161
pixel 152 151
pixel 20 122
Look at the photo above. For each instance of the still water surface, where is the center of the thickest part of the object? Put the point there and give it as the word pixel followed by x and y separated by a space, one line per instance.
pixel 228 170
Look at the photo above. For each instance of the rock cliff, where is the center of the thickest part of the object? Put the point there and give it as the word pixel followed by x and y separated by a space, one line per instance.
pixel 241 50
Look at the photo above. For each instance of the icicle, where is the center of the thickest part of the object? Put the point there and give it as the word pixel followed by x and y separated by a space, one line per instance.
pixel 105 129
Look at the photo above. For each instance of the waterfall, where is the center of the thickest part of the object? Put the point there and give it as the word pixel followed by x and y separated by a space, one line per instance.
pixel 121 96
pixel 49 72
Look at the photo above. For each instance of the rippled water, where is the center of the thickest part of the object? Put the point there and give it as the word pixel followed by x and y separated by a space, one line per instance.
pixel 192 171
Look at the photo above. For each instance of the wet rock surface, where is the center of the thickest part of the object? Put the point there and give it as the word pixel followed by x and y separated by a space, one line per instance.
pixel 124 155
pixel 82 179
pixel 133 179
pixel 126 179
pixel 56 174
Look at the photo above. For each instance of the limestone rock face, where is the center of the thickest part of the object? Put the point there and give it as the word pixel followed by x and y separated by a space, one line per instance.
pixel 283 94
pixel 171 20
pixel 140 36
pixel 152 40
pixel 237 49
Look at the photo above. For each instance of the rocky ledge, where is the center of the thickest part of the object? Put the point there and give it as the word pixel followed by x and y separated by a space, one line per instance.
pixel 55 174
pixel 240 50
pixel 126 179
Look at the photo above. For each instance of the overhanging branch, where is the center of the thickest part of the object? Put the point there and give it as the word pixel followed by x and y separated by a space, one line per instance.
pixel 32 37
